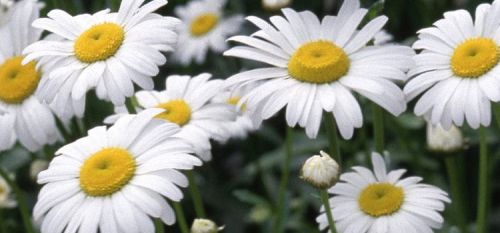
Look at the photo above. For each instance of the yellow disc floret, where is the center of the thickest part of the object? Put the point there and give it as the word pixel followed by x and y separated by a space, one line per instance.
pixel 107 171
pixel 318 62
pixel 17 81
pixel 381 199
pixel 176 111
pixel 474 57
pixel 204 23
pixel 99 42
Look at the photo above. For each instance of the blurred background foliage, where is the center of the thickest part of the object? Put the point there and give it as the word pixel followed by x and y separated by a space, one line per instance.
pixel 240 185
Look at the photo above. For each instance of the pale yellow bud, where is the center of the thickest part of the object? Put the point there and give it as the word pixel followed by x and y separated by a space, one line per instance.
pixel 275 4
pixel 205 226
pixel 36 167
pixel 321 171
pixel 442 140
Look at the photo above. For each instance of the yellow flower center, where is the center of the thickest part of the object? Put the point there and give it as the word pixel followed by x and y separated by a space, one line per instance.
pixel 107 171
pixel 17 82
pixel 203 24
pixel 99 42
pixel 318 62
pixel 234 101
pixel 474 57
pixel 381 199
pixel 176 111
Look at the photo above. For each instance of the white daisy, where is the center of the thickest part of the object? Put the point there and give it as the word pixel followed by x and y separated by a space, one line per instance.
pixel 204 28
pixel 316 65
pixel 115 179
pixel 378 201
pixel 247 120
pixel 22 116
pixel 457 70
pixel 187 103
pixel 106 51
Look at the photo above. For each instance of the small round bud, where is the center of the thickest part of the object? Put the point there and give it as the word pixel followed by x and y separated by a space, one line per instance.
pixel 273 5
pixel 321 171
pixel 442 140
pixel 205 226
pixel 36 167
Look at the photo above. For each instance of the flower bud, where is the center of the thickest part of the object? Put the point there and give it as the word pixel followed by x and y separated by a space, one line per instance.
pixel 275 4
pixel 321 171
pixel 36 167
pixel 442 140
pixel 6 199
pixel 205 226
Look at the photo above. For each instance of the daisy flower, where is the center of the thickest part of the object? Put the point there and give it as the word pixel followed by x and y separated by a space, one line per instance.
pixel 379 201
pixel 187 102
pixel 115 179
pixel 457 70
pixel 22 116
pixel 315 66
pixel 246 120
pixel 204 28
pixel 106 51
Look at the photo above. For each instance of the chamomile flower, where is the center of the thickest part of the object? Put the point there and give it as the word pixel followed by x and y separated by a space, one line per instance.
pixel 115 179
pixel 204 28
pixel 457 70
pixel 106 51
pixel 22 116
pixel 247 120
pixel 187 102
pixel 381 201
pixel 315 66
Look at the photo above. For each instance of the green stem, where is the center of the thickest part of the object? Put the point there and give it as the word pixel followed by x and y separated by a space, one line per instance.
pixel 482 204
pixel 159 226
pixel 333 138
pixel 456 192
pixel 21 201
pixel 378 128
pixel 279 224
pixel 66 135
pixel 195 195
pixel 2 222
pixel 180 217
pixel 496 110
pixel 130 105
pixel 328 210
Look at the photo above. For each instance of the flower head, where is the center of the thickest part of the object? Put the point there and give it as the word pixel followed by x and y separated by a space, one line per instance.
pixel 105 51
pixel 381 201
pixel 23 117
pixel 456 71
pixel 116 178
pixel 321 171
pixel 316 65
pixel 204 28
pixel 275 4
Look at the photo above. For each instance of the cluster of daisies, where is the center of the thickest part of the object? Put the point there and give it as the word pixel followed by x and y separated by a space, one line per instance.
pixel 119 177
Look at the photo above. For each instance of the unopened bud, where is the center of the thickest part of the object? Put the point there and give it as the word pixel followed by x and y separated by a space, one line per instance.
pixel 205 226
pixel 321 171
pixel 442 140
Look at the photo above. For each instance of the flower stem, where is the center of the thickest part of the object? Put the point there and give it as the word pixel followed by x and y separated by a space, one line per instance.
pixel 2 222
pixel 159 226
pixel 278 225
pixel 452 167
pixel 333 138
pixel 21 201
pixel 482 204
pixel 328 210
pixel 62 129
pixel 180 217
pixel 378 128
pixel 195 195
